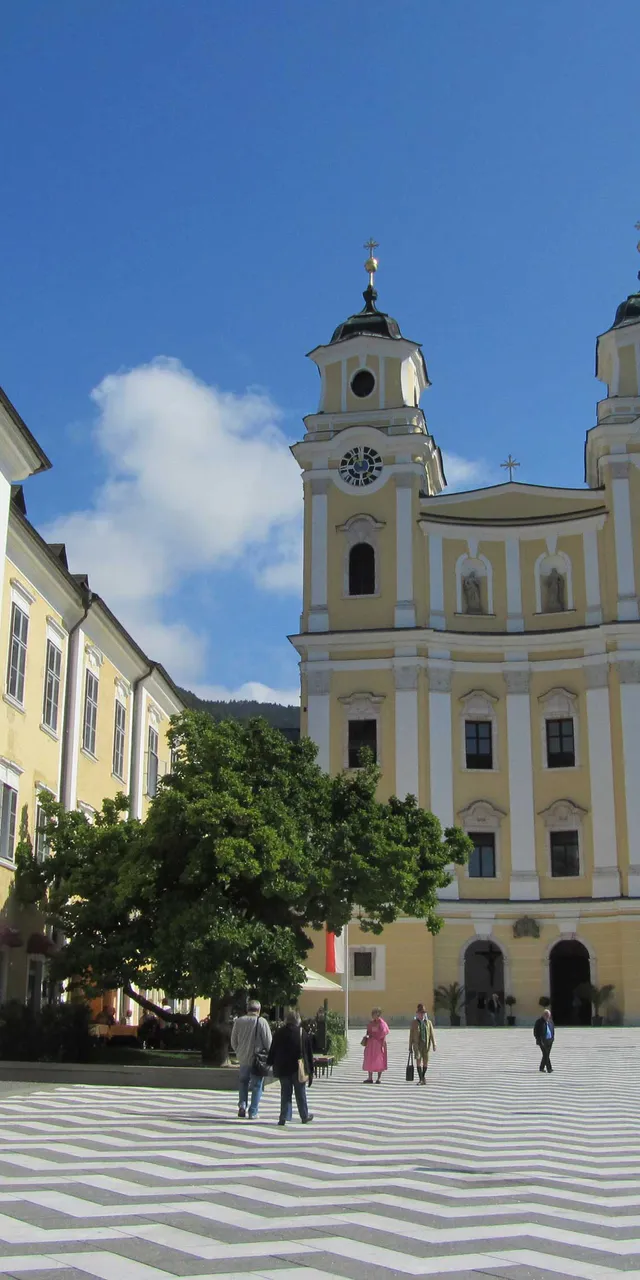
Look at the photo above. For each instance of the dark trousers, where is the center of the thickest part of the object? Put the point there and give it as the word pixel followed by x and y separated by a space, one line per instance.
pixel 545 1047
pixel 288 1086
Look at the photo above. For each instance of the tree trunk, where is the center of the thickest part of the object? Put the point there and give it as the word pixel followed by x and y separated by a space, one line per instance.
pixel 215 1047
pixel 181 1019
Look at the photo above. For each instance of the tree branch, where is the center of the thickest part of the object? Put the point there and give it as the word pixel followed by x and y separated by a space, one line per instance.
pixel 164 1014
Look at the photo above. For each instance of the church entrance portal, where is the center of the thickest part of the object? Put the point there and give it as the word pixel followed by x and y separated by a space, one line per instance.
pixel 569 965
pixel 483 974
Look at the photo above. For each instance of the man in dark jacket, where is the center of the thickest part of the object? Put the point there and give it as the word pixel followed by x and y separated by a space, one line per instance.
pixel 291 1044
pixel 544 1035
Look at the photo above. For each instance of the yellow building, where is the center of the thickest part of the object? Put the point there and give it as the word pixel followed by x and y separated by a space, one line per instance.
pixel 84 713
pixel 486 646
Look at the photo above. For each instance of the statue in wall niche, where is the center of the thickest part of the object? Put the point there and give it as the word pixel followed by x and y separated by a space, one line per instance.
pixel 554 592
pixel 472 593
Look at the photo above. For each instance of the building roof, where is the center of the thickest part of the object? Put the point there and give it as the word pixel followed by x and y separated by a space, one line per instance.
pixel 369 321
pixel 628 312
pixel 43 462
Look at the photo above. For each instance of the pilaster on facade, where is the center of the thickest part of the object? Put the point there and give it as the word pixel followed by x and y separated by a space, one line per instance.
pixel 606 876
pixel 629 676
pixel 625 566
pixel 515 619
pixel 318 603
pixel 525 884
pixel 407 781
pixel 441 757
pixel 592 578
pixel 405 610
pixel 319 714
pixel 437 619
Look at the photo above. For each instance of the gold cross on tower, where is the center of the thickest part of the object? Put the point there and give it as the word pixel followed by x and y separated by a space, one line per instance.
pixel 510 466
pixel 371 265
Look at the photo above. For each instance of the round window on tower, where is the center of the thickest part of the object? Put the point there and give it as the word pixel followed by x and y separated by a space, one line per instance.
pixel 362 383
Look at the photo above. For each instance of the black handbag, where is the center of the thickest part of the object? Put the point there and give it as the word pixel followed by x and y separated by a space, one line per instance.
pixel 259 1065
pixel 410 1071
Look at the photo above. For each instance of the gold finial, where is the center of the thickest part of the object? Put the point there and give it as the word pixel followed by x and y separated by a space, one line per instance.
pixel 638 229
pixel 371 265
pixel 510 466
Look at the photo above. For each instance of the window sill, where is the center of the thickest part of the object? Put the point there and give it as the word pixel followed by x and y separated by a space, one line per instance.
pixel 88 754
pixel 13 702
pixel 580 876
pixel 473 616
pixel 552 613
pixel 557 768
pixel 116 777
pixel 51 733
pixel 8 862
pixel 366 595
pixel 479 768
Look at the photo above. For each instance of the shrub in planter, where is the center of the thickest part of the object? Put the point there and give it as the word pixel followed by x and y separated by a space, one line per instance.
pixel 450 999
pixel 63 1032
pixel 598 997
pixel 18 1039
pixel 510 1001
pixel 336 1035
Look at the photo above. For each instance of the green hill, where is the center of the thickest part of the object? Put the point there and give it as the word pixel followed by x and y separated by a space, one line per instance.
pixel 285 718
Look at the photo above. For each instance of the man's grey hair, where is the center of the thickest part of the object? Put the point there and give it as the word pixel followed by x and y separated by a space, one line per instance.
pixel 253 1006
pixel 292 1017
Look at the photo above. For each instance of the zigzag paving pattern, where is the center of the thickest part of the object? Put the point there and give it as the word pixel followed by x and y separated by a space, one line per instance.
pixel 491 1170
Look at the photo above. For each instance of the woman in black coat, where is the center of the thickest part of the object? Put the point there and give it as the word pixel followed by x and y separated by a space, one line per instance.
pixel 290 1045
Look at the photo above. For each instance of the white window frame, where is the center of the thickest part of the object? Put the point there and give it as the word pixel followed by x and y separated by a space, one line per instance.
pixel 90 722
pixel 152 754
pixel 52 647
pixel 40 843
pixel 564 815
pixel 9 797
pixel 482 815
pixel 119 706
pixel 362 706
pixel 17 608
pixel 361 528
pixel 479 705
pixel 377 981
pixel 559 704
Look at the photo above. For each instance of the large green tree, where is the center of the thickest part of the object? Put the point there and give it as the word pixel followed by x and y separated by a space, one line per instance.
pixel 247 845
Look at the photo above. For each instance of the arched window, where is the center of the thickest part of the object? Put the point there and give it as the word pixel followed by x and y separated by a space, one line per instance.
pixel 362 570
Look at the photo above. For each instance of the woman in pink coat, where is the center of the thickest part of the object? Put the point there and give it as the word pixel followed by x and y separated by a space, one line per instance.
pixel 375 1047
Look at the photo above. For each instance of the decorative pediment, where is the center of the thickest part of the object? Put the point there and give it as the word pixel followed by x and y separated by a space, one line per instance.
pixel 155 714
pixel 123 688
pixel 482 815
pixel 362 703
pixel 563 814
pixel 526 927
pixel 559 702
pixel 94 657
pixel 360 526
pixel 478 703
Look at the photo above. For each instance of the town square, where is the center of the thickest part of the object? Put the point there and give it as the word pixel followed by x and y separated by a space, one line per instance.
pixel 320 641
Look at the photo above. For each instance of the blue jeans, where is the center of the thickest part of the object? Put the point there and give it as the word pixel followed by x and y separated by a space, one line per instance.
pixel 288 1086
pixel 253 1084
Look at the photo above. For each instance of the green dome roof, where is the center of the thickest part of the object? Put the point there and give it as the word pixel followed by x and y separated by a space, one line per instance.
pixel 628 312
pixel 368 321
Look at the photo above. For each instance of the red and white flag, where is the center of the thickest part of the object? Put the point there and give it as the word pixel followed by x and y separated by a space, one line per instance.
pixel 334 952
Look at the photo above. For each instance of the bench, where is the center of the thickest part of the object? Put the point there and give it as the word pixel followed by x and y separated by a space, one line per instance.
pixel 323 1064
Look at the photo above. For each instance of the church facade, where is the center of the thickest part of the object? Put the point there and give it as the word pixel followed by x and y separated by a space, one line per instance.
pixel 486 646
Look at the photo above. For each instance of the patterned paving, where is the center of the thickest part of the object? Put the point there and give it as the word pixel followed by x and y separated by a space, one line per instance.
pixel 491 1170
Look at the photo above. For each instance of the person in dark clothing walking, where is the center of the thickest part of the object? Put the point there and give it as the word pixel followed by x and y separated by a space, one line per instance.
pixel 291 1045
pixel 544 1034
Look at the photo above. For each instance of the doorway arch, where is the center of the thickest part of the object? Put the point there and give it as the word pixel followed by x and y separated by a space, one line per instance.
pixel 569 965
pixel 483 974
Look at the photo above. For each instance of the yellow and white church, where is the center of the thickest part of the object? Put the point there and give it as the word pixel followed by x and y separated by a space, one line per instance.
pixel 486 646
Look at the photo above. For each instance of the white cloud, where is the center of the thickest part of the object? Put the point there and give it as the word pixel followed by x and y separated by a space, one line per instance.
pixel 196 478
pixel 464 473
pixel 252 691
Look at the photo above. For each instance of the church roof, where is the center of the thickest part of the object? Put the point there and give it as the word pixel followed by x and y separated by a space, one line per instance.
pixel 369 321
pixel 628 312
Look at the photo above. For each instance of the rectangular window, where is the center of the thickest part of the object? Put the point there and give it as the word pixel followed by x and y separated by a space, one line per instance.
pixel 90 713
pixel 478 744
pixel 561 751
pixel 482 863
pixel 52 686
pixel 363 964
pixel 119 730
pixel 152 762
pixel 8 815
pixel 17 653
pixel 362 733
pixel 41 846
pixel 565 853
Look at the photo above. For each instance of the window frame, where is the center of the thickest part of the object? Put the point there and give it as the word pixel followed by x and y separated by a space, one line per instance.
pixel 8 823
pixel 152 755
pixel 18 648
pixel 563 833
pixel 50 674
pixel 119 729
pixel 355 549
pixel 90 722
pixel 478 723
pixel 361 720
pixel 377 981
pixel 560 721
pixel 488 839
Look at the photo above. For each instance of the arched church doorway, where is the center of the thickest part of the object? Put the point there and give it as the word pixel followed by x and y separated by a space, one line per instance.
pixel 569 965
pixel 483 977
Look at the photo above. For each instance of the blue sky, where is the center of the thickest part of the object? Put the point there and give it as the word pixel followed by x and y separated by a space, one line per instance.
pixel 186 191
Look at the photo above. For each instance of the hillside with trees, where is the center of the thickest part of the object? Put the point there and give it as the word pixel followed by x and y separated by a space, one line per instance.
pixel 287 719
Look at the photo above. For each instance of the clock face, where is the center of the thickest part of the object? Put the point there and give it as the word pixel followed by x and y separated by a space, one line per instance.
pixel 361 465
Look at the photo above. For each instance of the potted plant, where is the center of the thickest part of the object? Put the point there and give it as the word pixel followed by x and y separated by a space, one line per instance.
pixel 510 1001
pixel 597 996
pixel 545 1002
pixel 450 999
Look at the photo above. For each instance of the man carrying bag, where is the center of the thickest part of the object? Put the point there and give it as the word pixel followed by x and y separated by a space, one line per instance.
pixel 251 1042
